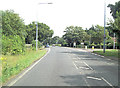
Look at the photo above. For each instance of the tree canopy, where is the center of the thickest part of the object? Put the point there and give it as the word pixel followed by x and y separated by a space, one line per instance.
pixel 44 32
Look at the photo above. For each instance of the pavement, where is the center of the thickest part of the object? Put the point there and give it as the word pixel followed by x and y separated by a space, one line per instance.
pixel 69 67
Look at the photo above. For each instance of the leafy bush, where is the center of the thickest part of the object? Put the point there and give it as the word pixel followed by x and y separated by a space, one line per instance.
pixel 57 44
pixel 12 44
pixel 78 46
pixel 34 44
pixel 86 43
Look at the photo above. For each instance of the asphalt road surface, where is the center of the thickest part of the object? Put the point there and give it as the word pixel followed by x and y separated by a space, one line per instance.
pixel 70 67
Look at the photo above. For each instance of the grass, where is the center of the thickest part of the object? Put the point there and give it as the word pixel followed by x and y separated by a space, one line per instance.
pixel 110 53
pixel 14 64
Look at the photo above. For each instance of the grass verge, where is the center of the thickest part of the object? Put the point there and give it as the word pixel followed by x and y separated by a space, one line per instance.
pixel 12 65
pixel 110 53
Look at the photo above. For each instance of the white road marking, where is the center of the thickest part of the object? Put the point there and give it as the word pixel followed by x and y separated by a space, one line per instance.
pixel 84 68
pixel 88 65
pixel 107 82
pixel 13 82
pixel 86 82
pixel 76 61
pixel 89 77
pixel 75 65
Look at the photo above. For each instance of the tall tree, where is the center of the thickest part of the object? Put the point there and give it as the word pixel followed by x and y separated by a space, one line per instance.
pixel 12 24
pixel 74 34
pixel 13 33
pixel 96 33
pixel 44 32
pixel 114 8
pixel 115 25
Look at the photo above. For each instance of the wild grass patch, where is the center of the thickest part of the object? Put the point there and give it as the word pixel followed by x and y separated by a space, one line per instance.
pixel 14 64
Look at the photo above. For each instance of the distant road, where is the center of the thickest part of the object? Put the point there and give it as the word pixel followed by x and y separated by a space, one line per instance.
pixel 70 67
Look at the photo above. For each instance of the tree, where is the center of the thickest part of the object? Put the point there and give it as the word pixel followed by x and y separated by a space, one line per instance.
pixel 114 8
pixel 0 32
pixel 13 33
pixel 115 25
pixel 62 42
pixel 55 39
pixel 74 34
pixel 96 33
pixel 44 32
pixel 12 24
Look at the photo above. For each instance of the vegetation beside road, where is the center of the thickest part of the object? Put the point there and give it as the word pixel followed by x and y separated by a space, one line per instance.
pixel 14 64
pixel 110 53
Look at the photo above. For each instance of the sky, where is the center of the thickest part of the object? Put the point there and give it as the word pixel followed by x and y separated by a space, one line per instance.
pixel 60 14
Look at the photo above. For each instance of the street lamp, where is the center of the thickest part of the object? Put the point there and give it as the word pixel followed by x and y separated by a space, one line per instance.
pixel 37 27
pixel 104 25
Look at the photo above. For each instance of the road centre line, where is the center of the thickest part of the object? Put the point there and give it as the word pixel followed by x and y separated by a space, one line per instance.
pixel 90 77
pixel 29 68
pixel 75 65
pixel 107 82
pixel 88 65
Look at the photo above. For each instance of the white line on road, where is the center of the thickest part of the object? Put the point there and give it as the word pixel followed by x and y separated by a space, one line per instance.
pixel 84 68
pixel 89 77
pixel 76 61
pixel 88 65
pixel 13 82
pixel 107 82
pixel 75 65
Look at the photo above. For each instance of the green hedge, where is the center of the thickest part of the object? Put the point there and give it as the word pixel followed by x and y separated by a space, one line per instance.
pixel 12 44
pixel 34 44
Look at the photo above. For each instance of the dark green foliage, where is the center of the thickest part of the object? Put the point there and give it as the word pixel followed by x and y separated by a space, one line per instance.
pixel 44 32
pixel 12 44
pixel 13 33
pixel 34 44
pixel 114 8
pixel 12 24
pixel 75 34
pixel 96 34
pixel 115 25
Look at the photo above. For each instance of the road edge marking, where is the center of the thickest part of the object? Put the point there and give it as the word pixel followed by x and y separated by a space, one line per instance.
pixel 14 81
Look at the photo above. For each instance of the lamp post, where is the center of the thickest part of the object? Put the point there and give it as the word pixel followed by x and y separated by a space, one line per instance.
pixel 104 25
pixel 37 28
pixel 114 42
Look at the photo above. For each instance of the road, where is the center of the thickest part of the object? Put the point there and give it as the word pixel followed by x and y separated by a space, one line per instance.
pixel 70 67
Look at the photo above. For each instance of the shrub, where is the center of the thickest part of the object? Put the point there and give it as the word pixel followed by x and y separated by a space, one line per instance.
pixel 12 45
pixel 34 44
pixel 78 46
